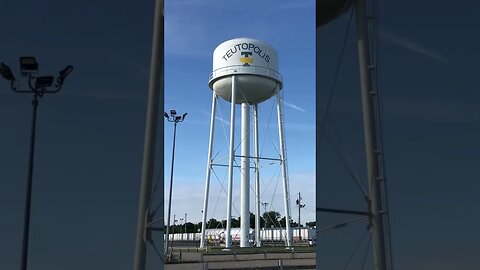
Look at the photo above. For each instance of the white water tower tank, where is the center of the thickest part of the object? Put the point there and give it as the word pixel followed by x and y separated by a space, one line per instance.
pixel 255 66
pixel 248 68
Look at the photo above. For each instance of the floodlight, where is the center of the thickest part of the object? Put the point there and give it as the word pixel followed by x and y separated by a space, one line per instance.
pixel 6 72
pixel 28 64
pixel 43 81
pixel 184 115
pixel 64 73
pixel 178 117
pixel 165 114
pixel 173 112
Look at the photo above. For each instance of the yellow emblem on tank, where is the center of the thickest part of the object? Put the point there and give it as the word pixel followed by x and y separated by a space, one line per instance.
pixel 246 60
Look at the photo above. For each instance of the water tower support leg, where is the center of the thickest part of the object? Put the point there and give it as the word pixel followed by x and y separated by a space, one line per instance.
pixel 245 178
pixel 228 237
pixel 283 157
pixel 369 123
pixel 209 168
pixel 257 176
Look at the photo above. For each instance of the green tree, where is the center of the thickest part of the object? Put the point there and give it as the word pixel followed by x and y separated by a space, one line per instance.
pixel 190 227
pixel 271 218
pixel 311 224
pixel 283 224
pixel 235 223
pixel 252 221
pixel 198 227
pixel 213 224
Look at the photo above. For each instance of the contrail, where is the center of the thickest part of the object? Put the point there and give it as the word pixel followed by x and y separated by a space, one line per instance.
pixel 413 46
pixel 294 106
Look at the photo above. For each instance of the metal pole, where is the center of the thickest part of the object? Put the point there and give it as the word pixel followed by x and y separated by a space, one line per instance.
pixel 209 168
pixel 170 192
pixel 265 207
pixel 299 207
pixel 283 157
pixel 181 229
pixel 28 199
pixel 154 92
pixel 173 236
pixel 368 93
pixel 228 239
pixel 257 176
pixel 245 178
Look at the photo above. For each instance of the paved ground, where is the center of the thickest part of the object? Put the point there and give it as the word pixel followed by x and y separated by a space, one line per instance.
pixel 193 260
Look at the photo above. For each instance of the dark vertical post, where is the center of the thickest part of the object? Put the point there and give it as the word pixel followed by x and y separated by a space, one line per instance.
pixel 299 202
pixel 186 223
pixel 154 91
pixel 368 104
pixel 28 199
pixel 170 193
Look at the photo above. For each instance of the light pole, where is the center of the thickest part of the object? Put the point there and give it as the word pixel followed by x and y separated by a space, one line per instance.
pixel 300 206
pixel 265 212
pixel 181 221
pixel 186 224
pixel 38 86
pixel 172 117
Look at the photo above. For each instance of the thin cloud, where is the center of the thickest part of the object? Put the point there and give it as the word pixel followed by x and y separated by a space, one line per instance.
pixel 295 107
pixel 128 96
pixel 186 30
pixel 140 70
pixel 222 120
pixel 413 46
pixel 289 5
pixel 216 117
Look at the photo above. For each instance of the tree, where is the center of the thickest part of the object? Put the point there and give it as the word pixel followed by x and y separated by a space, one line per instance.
pixel 235 223
pixel 271 218
pixel 311 224
pixel 283 224
pixel 213 224
pixel 198 227
pixel 190 227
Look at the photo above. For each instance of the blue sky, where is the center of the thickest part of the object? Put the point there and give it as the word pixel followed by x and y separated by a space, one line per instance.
pixel 193 29
pixel 430 126
pixel 90 135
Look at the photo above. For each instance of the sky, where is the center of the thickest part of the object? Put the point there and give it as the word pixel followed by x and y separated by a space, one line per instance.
pixel 193 29
pixel 428 81
pixel 90 135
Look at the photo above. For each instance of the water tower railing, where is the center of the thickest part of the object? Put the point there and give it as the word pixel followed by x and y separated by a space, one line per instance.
pixel 241 69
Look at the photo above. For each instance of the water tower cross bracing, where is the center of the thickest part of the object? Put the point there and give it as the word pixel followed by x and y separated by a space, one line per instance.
pixel 245 72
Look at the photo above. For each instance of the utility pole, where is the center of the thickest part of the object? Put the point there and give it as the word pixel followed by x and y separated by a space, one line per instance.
pixel 174 222
pixel 265 211
pixel 300 206
pixel 181 220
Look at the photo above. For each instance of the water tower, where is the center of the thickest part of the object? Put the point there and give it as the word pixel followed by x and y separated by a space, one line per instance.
pixel 245 73
pixel 378 214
